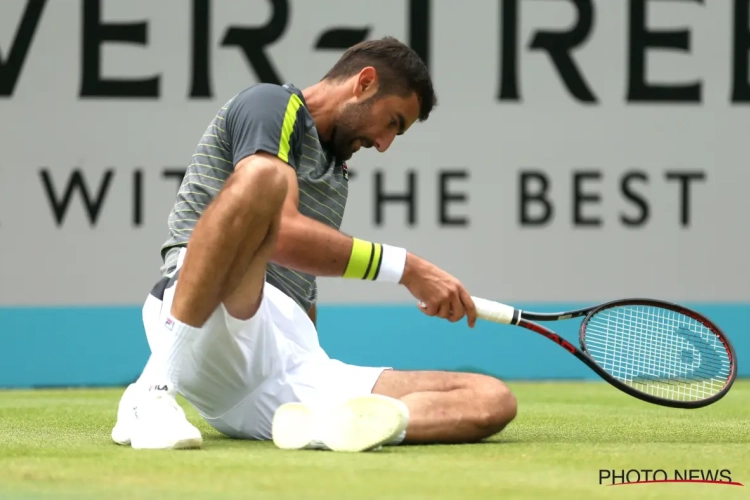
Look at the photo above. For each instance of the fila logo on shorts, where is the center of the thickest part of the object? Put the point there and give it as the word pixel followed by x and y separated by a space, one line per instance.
pixel 169 324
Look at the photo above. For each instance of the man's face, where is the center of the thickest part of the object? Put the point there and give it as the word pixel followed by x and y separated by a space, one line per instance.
pixel 373 121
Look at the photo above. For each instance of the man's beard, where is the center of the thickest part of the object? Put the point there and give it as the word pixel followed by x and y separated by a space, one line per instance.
pixel 347 130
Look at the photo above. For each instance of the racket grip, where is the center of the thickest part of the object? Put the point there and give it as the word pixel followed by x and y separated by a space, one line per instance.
pixel 494 311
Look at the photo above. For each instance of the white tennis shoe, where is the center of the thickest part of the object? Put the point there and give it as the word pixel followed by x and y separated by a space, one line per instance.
pixel 363 423
pixel 154 420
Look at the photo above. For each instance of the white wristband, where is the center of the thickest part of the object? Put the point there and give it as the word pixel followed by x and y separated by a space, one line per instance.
pixel 392 264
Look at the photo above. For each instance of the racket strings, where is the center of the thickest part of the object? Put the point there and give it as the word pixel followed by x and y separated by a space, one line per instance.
pixel 659 352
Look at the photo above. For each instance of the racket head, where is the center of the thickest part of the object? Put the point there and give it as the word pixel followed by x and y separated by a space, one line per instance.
pixel 660 352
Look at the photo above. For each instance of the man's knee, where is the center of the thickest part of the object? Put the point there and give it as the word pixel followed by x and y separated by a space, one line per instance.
pixel 496 404
pixel 260 177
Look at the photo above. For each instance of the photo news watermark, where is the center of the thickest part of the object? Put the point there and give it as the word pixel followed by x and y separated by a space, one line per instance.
pixel 619 477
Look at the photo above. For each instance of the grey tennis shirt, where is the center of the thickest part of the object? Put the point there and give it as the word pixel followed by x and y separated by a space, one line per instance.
pixel 273 119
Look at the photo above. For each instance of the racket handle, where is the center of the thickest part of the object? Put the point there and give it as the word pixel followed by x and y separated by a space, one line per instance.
pixel 494 311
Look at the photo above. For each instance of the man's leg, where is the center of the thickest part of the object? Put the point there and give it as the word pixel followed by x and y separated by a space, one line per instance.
pixel 448 407
pixel 222 263
pixel 225 263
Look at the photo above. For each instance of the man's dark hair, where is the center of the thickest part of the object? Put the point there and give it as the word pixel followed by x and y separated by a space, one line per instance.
pixel 400 70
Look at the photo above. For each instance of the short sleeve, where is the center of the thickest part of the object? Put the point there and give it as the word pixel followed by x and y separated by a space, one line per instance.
pixel 267 118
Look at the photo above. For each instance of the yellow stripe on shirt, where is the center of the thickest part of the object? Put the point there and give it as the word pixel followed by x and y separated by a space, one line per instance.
pixel 290 118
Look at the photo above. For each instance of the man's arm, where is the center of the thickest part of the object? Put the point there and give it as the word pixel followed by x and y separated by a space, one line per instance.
pixel 315 248
pixel 312 247
pixel 307 245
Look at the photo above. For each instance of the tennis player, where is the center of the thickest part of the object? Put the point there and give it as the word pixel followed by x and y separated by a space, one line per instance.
pixel 231 325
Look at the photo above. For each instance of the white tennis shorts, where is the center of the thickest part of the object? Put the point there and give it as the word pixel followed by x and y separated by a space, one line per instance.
pixel 237 373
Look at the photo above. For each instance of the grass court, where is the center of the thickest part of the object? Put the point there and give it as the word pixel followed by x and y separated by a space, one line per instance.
pixel 56 444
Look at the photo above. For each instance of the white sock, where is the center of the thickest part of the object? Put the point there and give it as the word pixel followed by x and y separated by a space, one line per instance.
pixel 164 372
pixel 150 371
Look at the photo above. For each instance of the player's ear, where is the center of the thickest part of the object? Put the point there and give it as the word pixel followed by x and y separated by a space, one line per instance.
pixel 366 82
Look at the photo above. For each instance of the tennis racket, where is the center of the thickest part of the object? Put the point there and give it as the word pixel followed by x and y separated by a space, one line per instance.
pixel 656 351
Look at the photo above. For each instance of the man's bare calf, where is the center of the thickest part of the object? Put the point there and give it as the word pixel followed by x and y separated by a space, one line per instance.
pixel 447 407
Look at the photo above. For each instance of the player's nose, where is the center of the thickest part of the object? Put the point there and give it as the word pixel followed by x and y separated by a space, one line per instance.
pixel 384 142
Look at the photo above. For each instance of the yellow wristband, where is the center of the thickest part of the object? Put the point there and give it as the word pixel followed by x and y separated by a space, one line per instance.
pixel 375 262
pixel 364 261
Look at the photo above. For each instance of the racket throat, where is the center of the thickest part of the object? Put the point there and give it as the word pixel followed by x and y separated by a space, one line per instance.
pixel 516 318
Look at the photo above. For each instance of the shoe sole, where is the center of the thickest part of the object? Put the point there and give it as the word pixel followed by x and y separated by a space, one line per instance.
pixel 359 424
pixel 181 444
pixel 122 437
pixel 119 438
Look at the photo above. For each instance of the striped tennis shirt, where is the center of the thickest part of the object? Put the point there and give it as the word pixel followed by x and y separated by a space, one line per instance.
pixel 274 119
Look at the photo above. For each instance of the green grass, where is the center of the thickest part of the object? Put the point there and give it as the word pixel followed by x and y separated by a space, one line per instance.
pixel 55 444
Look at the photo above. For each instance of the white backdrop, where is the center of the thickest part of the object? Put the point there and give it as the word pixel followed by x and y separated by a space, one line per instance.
pixel 49 130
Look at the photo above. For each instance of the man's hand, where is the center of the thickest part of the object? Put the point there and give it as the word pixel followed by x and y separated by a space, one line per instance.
pixel 442 294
